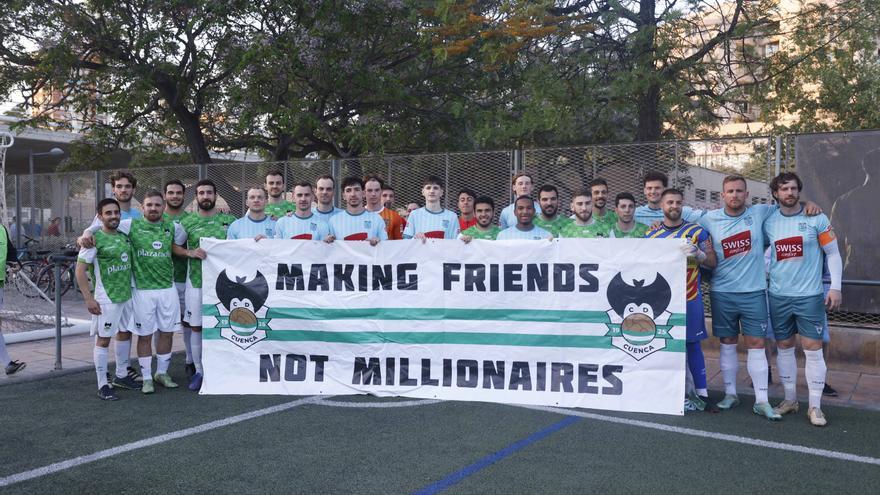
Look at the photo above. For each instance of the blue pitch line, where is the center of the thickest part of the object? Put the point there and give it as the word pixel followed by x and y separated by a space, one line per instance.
pixel 490 459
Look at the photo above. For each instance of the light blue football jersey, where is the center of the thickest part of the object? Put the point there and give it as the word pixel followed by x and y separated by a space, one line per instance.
pixel 366 225
pixel 441 224
pixel 796 252
pixel 247 228
pixel 739 243
pixel 647 215
pixel 326 215
pixel 294 227
pixel 536 234
pixel 508 217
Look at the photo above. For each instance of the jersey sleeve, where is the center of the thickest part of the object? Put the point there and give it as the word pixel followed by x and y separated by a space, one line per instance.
pixel 502 219
pixel 691 215
pixel 124 226
pixel 823 230
pixel 322 232
pixel 453 230
pixel 232 231
pixel 96 222
pixel 381 233
pixel 87 255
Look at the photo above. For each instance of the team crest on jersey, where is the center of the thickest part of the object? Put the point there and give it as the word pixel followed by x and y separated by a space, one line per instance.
pixel 242 311
pixel 749 221
pixel 157 245
pixel 124 257
pixel 638 317
pixel 313 226
pixel 367 224
pixel 445 224
pixel 270 232
pixel 802 226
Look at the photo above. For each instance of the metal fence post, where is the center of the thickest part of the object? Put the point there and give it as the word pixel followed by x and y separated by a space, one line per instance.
pixel 18 223
pixel 203 171
pixel 676 161
pixel 335 170
pixel 776 169
pixel 446 180
pixel 57 268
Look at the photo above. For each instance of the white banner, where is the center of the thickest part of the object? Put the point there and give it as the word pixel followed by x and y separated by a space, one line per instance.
pixel 594 323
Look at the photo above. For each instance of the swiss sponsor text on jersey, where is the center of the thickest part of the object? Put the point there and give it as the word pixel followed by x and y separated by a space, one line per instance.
pixel 737 244
pixel 788 248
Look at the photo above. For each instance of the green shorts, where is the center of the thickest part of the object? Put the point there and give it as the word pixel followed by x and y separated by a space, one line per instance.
pixel 732 310
pixel 804 315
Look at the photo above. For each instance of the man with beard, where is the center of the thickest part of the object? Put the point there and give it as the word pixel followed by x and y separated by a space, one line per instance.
pixel 697 246
pixel 175 195
pixel 484 209
pixel 431 221
pixel 277 206
pixel 583 224
pixel 373 187
pixel 599 190
pixel 155 304
pixel 303 224
pixel 797 305
pixel 208 222
pixel 549 218
pixel 626 226
pixel 255 224
pixel 525 228
pixel 521 184
pixel 355 223
pixel 388 196
pixel 124 185
pixel 110 262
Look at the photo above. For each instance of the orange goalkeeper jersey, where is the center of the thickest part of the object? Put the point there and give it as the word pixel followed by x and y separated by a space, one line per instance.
pixel 393 224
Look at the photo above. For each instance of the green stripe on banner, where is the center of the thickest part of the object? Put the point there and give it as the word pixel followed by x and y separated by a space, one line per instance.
pixel 459 338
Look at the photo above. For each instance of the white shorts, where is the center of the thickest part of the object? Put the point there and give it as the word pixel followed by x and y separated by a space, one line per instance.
pixel 193 315
pixel 111 319
pixel 156 309
pixel 181 296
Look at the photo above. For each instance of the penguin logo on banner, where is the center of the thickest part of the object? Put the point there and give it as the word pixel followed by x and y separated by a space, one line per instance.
pixel 638 317
pixel 242 309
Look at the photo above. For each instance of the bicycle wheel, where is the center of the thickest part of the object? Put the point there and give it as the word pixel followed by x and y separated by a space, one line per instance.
pixel 46 281
pixel 26 277
pixel 67 277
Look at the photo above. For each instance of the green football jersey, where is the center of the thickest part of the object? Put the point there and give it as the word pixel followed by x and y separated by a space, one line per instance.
pixel 639 230
pixel 279 210
pixel 196 227
pixel 151 244
pixel 593 230
pixel 554 226
pixel 179 262
pixel 110 262
pixel 488 235
pixel 609 219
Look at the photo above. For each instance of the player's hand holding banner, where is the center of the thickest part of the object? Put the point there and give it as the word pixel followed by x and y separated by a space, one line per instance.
pixel 595 323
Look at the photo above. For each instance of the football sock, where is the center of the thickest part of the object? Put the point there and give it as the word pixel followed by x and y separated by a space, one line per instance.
pixel 187 332
pixel 99 354
pixel 146 367
pixel 815 371
pixel 162 362
pixel 697 365
pixel 757 366
pixel 4 354
pixel 787 365
pixel 196 343
pixel 123 351
pixel 729 367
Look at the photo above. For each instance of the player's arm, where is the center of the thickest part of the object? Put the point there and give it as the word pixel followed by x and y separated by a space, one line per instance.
pixel 84 260
pixel 87 239
pixel 828 241
pixel 380 235
pixel 711 258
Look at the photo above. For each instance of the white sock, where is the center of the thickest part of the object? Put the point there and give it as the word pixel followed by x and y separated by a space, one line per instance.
pixel 123 351
pixel 196 342
pixel 4 354
pixel 758 366
pixel 729 367
pixel 162 362
pixel 702 392
pixel 146 367
pixel 815 371
pixel 99 354
pixel 688 380
pixel 187 343
pixel 155 341
pixel 787 365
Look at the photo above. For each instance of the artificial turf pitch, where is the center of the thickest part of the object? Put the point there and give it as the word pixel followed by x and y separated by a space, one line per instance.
pixel 433 447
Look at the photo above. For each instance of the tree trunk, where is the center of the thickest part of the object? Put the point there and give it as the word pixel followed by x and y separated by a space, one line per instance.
pixel 649 124
pixel 648 99
pixel 192 131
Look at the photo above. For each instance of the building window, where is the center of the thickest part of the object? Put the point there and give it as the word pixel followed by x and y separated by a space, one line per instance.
pixel 755 200
pixel 715 196
pixel 701 194
pixel 771 48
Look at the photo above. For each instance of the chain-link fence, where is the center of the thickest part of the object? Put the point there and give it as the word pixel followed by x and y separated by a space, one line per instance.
pixel 61 205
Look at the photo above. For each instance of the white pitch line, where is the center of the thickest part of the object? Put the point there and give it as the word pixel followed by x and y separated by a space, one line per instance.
pixel 800 449
pixel 147 442
pixel 378 405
